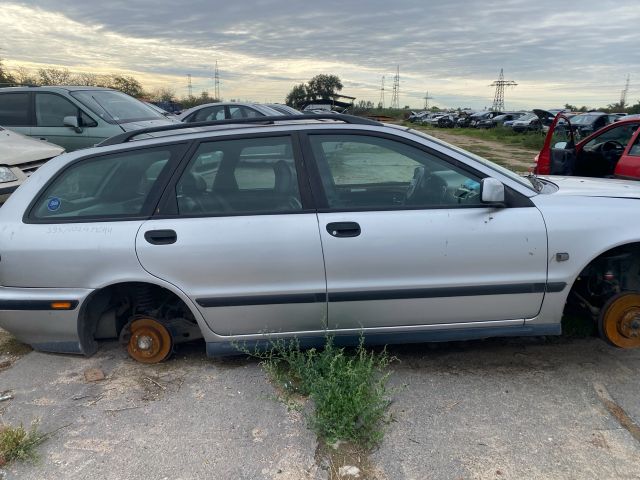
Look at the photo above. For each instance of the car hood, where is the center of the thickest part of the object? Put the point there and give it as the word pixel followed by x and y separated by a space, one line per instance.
pixel 595 187
pixel 16 149
pixel 128 127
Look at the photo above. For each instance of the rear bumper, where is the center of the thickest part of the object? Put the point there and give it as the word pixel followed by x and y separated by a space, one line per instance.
pixel 27 314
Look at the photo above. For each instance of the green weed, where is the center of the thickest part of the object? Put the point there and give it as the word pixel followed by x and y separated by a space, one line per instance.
pixel 18 443
pixel 347 387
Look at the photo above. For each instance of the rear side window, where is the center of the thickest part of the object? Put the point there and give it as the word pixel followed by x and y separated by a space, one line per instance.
pixel 14 109
pixel 242 176
pixel 116 185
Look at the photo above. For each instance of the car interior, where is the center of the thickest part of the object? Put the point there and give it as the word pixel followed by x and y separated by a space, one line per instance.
pixel 226 177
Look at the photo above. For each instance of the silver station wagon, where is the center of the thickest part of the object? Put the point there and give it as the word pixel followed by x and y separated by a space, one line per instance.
pixel 241 231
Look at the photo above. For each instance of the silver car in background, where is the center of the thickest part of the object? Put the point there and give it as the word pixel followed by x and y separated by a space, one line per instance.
pixel 341 226
pixel 226 111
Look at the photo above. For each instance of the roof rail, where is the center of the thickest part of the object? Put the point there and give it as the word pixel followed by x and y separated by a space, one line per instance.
pixel 126 136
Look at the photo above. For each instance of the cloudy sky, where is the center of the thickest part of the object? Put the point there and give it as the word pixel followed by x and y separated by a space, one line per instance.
pixel 578 52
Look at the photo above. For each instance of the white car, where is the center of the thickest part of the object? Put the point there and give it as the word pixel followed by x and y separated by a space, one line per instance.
pixel 303 228
pixel 226 111
pixel 20 156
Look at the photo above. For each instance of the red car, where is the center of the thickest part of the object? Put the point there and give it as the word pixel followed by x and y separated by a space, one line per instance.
pixel 611 152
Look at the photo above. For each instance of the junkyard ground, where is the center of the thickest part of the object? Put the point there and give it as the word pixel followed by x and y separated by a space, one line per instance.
pixel 495 409
pixel 515 157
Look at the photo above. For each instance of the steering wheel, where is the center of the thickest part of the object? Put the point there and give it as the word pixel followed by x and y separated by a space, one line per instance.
pixel 611 150
pixel 425 188
pixel 610 145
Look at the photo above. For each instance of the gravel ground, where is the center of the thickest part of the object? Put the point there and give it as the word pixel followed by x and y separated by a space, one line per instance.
pixel 495 409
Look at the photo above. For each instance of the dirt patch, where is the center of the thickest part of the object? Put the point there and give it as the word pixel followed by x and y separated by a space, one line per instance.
pixel 345 458
pixel 11 349
pixel 517 158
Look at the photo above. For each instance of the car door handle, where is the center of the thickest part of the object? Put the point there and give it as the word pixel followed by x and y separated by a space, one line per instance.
pixel 343 229
pixel 161 237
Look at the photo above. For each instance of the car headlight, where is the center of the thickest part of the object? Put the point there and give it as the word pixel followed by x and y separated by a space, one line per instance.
pixel 6 175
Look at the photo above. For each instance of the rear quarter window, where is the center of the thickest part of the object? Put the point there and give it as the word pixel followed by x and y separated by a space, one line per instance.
pixel 108 186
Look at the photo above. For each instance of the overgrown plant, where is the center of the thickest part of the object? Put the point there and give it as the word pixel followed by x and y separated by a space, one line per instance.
pixel 348 387
pixel 19 443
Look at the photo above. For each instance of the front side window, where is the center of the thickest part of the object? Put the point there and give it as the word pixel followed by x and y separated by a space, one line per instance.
pixel 51 110
pixel 113 185
pixel 635 148
pixel 240 176
pixel 361 171
pixel 620 135
pixel 14 109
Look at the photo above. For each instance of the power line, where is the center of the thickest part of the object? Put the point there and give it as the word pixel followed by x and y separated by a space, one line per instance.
pixel 426 101
pixel 216 83
pixel 395 96
pixel 623 96
pixel 498 99
pixel 381 102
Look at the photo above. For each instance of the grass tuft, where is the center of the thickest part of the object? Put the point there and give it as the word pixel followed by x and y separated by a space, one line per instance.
pixel 347 387
pixel 18 443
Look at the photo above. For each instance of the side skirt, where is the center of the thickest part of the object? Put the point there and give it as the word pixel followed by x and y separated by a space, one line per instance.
pixel 238 347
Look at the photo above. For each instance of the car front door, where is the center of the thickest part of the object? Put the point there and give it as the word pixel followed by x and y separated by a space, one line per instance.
pixel 407 241
pixel 237 233
pixel 628 166
pixel 50 112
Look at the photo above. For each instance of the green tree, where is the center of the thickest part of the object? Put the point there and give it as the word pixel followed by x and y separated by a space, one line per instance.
pixel 297 96
pixel 128 85
pixel 54 76
pixel 323 86
pixel 5 76
pixel 634 109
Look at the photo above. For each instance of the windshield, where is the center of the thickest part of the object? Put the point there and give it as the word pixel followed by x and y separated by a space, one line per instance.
pixel 504 171
pixel 527 116
pixel 116 107
pixel 584 119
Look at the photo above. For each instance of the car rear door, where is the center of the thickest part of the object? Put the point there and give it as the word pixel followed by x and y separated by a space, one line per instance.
pixel 407 241
pixel 237 232
pixel 15 112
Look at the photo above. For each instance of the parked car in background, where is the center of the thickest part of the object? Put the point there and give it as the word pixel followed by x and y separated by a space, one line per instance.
pixel 240 236
pixel 171 116
pixel 611 152
pixel 476 118
pixel 499 120
pixel 417 116
pixel 447 121
pixel 74 117
pixel 284 109
pixel 464 119
pixel 20 156
pixel 529 122
pixel 585 124
pixel 226 111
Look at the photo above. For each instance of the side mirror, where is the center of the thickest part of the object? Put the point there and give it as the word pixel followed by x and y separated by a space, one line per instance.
pixel 492 191
pixel 560 145
pixel 72 122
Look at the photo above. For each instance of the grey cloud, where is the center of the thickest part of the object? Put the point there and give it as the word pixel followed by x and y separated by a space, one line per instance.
pixel 593 43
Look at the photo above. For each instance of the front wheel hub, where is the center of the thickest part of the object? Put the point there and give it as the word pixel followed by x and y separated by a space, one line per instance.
pixel 619 321
pixel 150 341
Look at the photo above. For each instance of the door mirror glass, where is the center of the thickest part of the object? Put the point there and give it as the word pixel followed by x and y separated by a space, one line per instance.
pixel 560 145
pixel 491 190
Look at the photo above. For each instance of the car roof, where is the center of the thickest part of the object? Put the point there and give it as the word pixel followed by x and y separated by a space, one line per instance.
pixel 55 88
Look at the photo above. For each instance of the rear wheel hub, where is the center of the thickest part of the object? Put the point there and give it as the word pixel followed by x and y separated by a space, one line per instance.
pixel 150 341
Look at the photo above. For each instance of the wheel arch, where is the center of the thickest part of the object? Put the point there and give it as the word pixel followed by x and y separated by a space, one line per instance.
pixel 94 305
